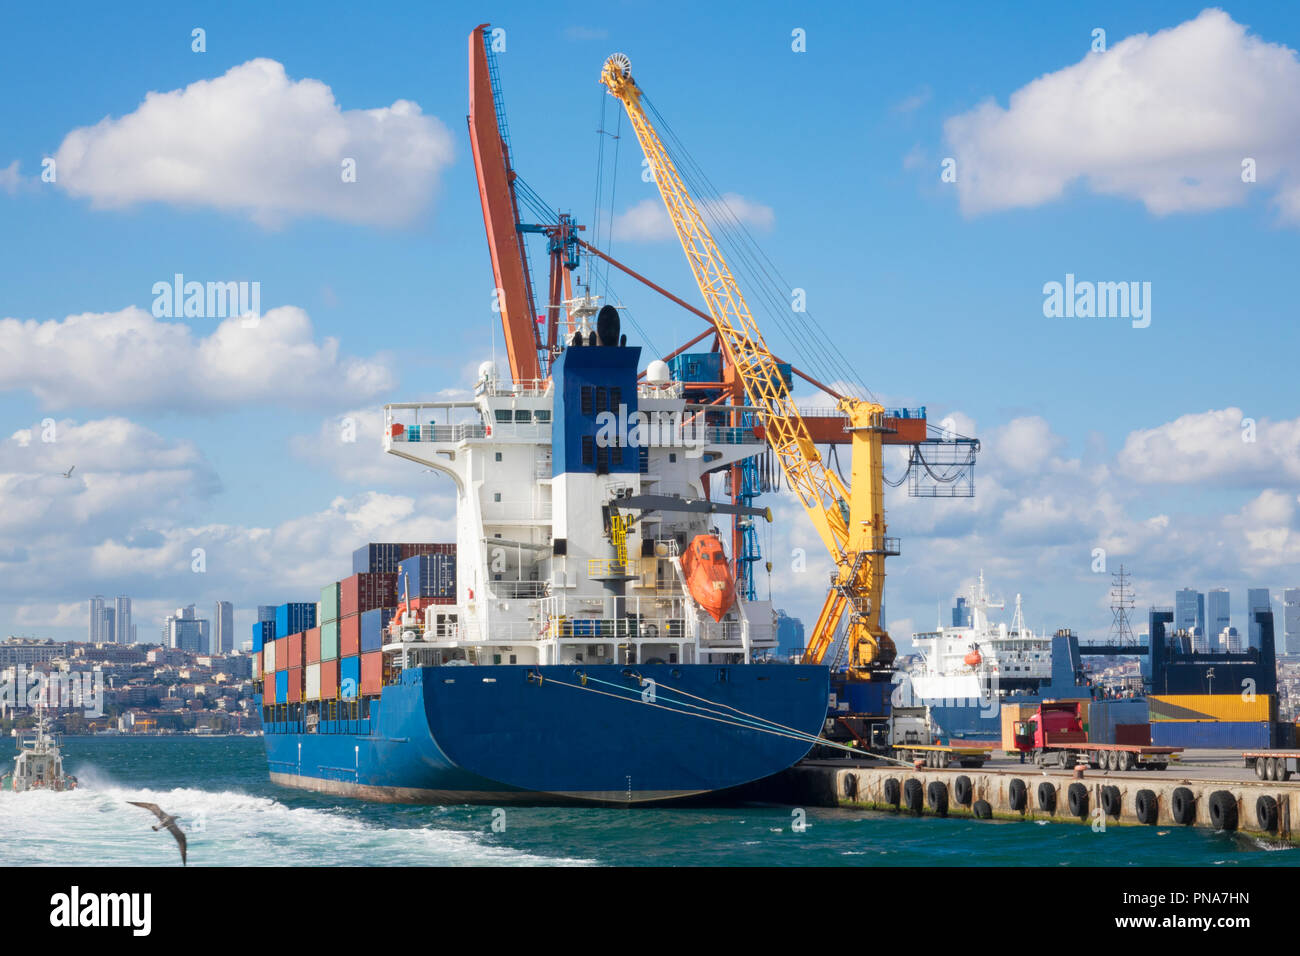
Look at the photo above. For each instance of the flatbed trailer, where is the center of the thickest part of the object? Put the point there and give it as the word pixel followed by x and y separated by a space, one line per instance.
pixel 969 754
pixel 1273 764
pixel 1104 756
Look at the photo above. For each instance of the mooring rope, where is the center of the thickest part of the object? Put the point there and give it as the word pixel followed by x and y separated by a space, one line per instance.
pixel 758 724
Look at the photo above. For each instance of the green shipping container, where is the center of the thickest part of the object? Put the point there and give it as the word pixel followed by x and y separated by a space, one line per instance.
pixel 329 641
pixel 329 603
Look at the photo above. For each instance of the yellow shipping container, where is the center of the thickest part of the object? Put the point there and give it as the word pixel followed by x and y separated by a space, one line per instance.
pixel 1234 708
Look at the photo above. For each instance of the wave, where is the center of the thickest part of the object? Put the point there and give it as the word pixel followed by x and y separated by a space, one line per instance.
pixel 95 826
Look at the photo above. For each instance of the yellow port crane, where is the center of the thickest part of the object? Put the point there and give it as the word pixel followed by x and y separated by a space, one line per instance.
pixel 851 521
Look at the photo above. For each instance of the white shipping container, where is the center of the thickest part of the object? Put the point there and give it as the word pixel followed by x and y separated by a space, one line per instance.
pixel 268 658
pixel 312 691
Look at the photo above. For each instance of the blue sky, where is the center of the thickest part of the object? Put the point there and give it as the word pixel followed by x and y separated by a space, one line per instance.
pixel 932 290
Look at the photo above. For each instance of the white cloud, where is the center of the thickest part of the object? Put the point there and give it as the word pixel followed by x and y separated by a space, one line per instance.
pixel 1166 119
pixel 130 359
pixel 1210 447
pixel 255 142
pixel 10 179
pixel 648 220
pixel 913 102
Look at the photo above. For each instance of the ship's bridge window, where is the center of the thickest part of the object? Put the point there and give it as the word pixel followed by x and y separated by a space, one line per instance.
pixel 542 416
pixel 504 416
pixel 523 415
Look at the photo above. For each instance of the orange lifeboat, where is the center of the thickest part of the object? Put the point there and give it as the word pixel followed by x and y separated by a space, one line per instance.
pixel 973 658
pixel 708 575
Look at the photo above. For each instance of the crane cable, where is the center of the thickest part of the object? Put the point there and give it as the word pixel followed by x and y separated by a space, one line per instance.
pixel 827 361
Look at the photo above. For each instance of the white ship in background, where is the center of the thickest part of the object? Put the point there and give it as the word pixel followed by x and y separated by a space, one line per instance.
pixel 967 671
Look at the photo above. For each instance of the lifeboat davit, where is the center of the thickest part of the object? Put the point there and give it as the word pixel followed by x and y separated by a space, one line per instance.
pixel 973 658
pixel 708 575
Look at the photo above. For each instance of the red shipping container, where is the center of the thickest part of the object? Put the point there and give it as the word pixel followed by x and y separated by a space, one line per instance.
pixel 282 654
pixel 364 592
pixel 350 636
pixel 295 649
pixel 257 665
pixel 295 685
pixel 411 550
pixel 329 680
pixel 372 673
pixel 313 645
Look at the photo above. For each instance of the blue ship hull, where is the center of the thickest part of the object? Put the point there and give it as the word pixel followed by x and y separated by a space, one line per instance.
pixel 495 734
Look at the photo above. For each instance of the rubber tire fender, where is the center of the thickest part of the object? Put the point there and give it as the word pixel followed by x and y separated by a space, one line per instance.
pixel 1146 807
pixel 1017 795
pixel 1182 806
pixel 1223 810
pixel 962 790
pixel 982 809
pixel 937 796
pixel 1266 813
pixel 893 791
pixel 1047 797
pixel 1077 800
pixel 913 794
pixel 850 786
pixel 1111 802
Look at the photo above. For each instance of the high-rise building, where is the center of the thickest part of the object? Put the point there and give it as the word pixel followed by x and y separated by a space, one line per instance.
pixel 961 614
pixel 1291 620
pixel 1189 610
pixel 1257 599
pixel 789 633
pixel 1229 641
pixel 223 628
pixel 108 627
pixel 185 631
pixel 96 620
pixel 1217 606
pixel 123 630
pixel 266 612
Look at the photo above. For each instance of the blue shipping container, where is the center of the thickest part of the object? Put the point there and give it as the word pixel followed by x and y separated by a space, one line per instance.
pixel 373 625
pixel 293 618
pixel 349 678
pixel 376 558
pixel 1104 715
pixel 866 697
pixel 1211 734
pixel 427 575
pixel 263 631
pixel 282 687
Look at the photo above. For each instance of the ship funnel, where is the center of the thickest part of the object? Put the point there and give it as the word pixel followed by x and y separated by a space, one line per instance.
pixel 607 325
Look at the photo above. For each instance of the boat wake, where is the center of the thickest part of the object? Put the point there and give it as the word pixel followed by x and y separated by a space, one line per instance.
pixel 95 826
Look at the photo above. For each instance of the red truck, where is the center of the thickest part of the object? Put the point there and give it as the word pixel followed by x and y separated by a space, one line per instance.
pixel 1054 735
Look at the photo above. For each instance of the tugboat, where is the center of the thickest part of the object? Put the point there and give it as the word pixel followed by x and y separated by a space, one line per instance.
pixel 39 764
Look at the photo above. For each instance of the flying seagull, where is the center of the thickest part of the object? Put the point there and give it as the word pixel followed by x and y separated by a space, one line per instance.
pixel 68 473
pixel 168 821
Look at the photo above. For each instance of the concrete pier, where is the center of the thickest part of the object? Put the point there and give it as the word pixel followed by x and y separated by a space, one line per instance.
pixel 1154 798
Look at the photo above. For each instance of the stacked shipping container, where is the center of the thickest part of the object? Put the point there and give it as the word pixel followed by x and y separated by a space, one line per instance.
pixel 332 650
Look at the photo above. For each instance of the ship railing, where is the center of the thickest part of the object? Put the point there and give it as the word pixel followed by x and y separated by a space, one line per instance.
pixel 606 568
pixel 473 631
pixel 446 434
pixel 616 628
pixel 519 590
pixel 528 388
pixel 667 390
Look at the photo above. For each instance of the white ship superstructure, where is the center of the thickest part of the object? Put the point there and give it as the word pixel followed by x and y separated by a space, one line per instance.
pixel 578 560
pixel 983 659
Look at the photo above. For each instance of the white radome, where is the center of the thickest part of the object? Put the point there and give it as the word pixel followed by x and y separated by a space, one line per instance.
pixel 656 373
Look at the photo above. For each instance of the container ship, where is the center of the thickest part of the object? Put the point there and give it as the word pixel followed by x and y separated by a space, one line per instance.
pixel 582 640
